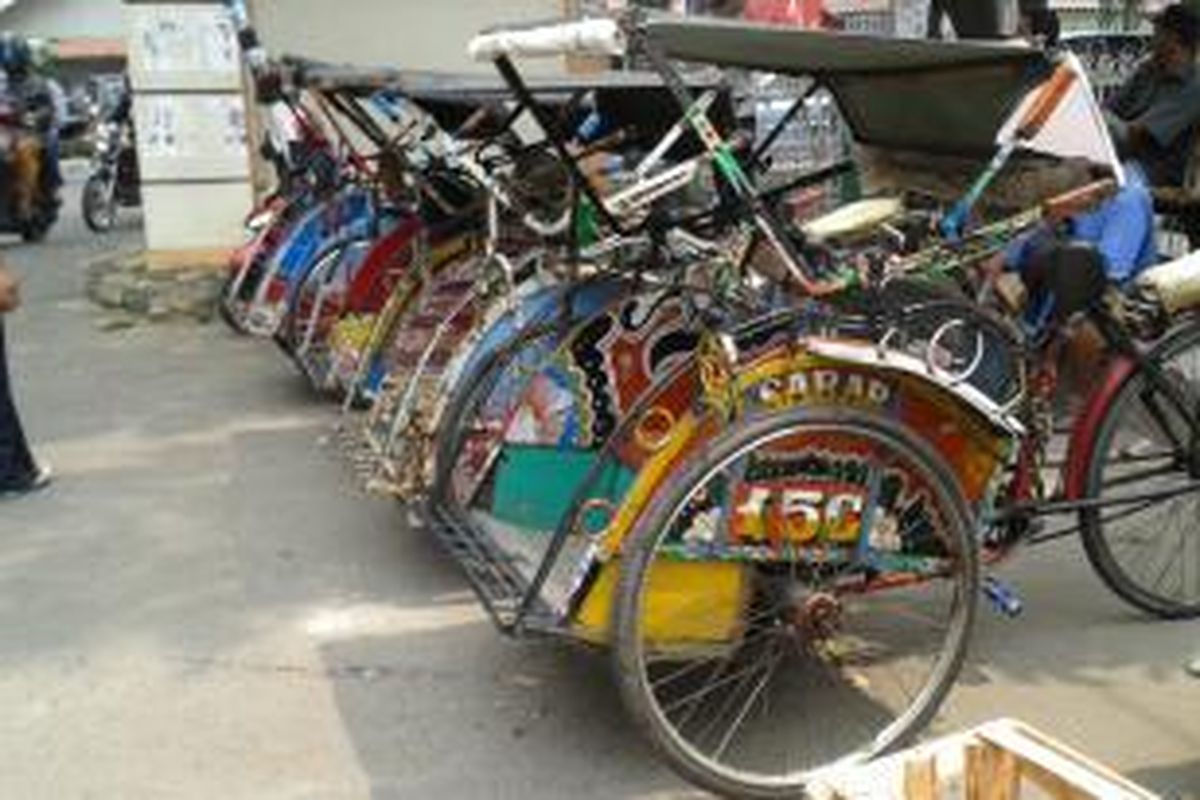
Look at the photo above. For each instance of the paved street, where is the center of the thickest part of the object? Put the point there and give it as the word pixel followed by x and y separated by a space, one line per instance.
pixel 204 606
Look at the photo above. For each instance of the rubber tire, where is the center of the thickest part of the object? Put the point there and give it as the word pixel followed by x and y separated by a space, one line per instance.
pixel 224 312
pixel 92 189
pixel 34 232
pixel 639 550
pixel 38 228
pixel 1099 556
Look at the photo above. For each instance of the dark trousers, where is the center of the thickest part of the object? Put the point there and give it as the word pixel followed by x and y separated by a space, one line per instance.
pixel 16 462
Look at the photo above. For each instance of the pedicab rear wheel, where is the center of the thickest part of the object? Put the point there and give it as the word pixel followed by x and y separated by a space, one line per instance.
pixel 1148 552
pixel 823 669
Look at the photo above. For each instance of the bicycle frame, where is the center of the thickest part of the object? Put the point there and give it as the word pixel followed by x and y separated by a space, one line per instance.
pixel 1129 361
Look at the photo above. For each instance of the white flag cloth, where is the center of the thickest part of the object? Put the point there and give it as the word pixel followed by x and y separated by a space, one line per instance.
pixel 1074 129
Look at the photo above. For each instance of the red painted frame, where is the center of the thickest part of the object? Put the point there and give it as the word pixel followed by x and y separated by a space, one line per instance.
pixel 1087 426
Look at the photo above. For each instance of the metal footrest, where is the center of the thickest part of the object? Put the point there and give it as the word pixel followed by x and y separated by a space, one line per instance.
pixel 498 583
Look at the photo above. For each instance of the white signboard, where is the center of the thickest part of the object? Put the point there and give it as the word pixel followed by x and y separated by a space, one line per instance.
pixel 192 137
pixel 190 115
pixel 182 46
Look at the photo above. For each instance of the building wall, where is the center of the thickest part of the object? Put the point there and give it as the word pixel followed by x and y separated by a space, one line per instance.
pixel 65 19
pixel 413 34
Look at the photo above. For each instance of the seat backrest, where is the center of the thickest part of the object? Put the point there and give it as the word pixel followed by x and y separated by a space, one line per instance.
pixel 1176 284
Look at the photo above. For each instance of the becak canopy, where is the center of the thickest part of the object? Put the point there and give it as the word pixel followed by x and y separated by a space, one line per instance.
pixel 942 97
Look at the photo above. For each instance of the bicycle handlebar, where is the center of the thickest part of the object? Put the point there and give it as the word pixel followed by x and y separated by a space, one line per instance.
pixel 1078 201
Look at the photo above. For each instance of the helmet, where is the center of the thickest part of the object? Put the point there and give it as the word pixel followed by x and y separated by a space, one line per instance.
pixel 20 59
pixel 6 44
pixel 15 53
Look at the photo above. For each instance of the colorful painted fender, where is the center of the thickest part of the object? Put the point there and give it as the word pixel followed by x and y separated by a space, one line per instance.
pixel 701 402
pixel 350 214
pixel 268 230
pixel 525 338
pixel 324 296
pixel 363 346
pixel 314 310
pixel 575 400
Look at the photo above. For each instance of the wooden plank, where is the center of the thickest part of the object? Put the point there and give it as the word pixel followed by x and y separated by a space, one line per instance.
pixel 920 779
pixel 1004 778
pixel 1053 785
pixel 974 772
pixel 1084 774
pixel 1003 760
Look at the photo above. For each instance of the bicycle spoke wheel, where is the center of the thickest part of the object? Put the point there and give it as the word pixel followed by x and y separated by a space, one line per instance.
pixel 1144 542
pixel 802 594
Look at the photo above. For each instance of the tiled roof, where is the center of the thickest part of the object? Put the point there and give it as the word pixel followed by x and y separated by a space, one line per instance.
pixel 81 48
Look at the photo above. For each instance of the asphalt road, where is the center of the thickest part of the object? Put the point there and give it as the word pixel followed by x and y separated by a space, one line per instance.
pixel 205 606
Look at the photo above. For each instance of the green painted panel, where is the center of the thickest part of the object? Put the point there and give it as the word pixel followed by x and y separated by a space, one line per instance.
pixel 534 485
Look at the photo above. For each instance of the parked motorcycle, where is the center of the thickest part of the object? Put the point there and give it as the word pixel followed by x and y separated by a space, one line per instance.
pixel 46 201
pixel 114 181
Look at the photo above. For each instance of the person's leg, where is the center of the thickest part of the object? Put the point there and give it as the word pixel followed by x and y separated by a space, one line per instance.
pixel 933 23
pixel 17 468
pixel 52 169
pixel 27 166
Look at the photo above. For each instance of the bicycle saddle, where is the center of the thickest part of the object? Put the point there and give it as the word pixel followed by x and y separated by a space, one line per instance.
pixel 854 220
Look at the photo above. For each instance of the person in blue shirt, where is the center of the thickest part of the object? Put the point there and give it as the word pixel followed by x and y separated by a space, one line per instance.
pixel 1121 229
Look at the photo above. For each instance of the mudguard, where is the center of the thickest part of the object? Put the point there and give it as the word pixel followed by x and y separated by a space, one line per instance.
pixel 1087 425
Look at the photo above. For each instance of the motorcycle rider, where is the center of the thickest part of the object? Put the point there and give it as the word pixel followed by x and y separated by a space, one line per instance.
pixel 34 105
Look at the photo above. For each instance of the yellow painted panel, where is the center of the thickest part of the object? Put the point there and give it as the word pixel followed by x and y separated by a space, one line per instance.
pixel 689 604
pixel 648 480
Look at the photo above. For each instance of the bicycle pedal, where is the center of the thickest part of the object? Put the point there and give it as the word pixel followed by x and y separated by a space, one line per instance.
pixel 1002 597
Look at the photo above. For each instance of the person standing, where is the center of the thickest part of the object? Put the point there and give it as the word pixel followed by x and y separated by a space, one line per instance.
pixel 1154 115
pixel 19 472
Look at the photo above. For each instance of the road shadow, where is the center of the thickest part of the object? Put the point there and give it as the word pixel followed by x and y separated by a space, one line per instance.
pixel 1173 781
pixel 452 708
pixel 1072 627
